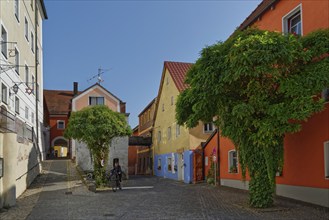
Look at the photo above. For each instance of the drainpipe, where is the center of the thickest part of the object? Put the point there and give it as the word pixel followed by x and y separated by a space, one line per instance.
pixel 37 93
pixel 218 160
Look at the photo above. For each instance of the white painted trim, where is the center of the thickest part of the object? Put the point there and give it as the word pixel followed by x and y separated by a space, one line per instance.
pixel 288 15
pixel 58 122
pixel 229 161
pixel 318 196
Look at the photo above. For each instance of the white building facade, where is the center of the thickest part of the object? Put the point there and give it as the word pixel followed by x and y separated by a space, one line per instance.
pixel 22 131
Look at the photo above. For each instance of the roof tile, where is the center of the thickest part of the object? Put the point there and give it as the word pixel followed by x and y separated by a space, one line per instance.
pixel 178 71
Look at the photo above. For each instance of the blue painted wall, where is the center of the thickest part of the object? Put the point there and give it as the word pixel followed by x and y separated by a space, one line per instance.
pixel 163 172
pixel 164 166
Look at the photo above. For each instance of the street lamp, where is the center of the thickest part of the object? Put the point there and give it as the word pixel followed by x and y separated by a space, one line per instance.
pixel 15 88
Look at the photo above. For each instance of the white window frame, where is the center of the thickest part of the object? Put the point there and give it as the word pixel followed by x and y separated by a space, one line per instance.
pixel 159 164
pixel 4 46
pixel 230 161
pixel 58 124
pixel 96 98
pixel 326 159
pixel 169 163
pixel 286 18
pixel 206 128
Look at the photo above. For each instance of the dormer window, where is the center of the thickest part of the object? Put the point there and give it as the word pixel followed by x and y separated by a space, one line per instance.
pixel 96 100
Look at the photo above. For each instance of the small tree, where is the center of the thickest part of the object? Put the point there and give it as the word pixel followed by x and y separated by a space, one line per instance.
pixel 97 126
pixel 261 85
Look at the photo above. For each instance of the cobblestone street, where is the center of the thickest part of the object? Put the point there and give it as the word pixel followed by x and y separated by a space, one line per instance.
pixel 59 193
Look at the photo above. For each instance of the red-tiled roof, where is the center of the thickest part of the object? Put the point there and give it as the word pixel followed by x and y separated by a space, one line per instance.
pixel 58 101
pixel 178 72
pixel 261 8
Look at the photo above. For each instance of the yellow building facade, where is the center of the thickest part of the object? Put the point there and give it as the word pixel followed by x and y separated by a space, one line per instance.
pixel 173 144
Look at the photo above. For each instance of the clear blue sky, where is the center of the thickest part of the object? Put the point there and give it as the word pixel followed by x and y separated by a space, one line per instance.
pixel 132 39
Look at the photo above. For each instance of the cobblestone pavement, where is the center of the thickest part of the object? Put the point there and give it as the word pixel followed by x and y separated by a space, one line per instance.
pixel 59 193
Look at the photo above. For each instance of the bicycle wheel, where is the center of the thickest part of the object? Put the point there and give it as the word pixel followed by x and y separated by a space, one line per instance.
pixel 113 181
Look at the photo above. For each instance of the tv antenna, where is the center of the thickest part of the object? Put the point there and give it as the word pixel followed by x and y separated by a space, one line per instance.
pixel 98 75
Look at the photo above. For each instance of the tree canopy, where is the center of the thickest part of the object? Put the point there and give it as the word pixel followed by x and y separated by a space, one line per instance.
pixel 97 126
pixel 259 85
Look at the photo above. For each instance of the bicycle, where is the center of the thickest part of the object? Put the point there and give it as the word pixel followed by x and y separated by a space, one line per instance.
pixel 114 180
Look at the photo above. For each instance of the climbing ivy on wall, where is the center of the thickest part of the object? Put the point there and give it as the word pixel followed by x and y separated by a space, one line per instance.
pixel 263 85
pixel 97 126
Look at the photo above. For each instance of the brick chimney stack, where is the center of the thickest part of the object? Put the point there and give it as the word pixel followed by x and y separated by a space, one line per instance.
pixel 75 88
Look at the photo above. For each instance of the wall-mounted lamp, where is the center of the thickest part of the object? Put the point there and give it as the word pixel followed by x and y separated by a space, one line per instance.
pixel 1 167
pixel 15 88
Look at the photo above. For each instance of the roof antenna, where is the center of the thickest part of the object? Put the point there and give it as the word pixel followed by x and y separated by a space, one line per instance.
pixel 98 76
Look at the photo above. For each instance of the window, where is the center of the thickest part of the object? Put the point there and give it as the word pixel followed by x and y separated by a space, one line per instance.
pixel 167 81
pixel 37 52
pixel 32 42
pixel 26 30
pixel 159 137
pixel 292 22
pixel 32 117
pixel 169 164
pixel 26 112
pixel 96 100
pixel 159 164
pixel 232 161
pixel 16 7
pixel 163 107
pixel 4 41
pixel 37 90
pixel 32 86
pixel 60 124
pixel 4 96
pixel 17 105
pixel 326 159
pixel 27 75
pixel 177 130
pixel 169 133
pixel 172 100
pixel 16 61
pixel 208 127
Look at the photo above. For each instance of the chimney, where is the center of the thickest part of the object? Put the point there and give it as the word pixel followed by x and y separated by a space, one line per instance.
pixel 75 88
pixel 122 107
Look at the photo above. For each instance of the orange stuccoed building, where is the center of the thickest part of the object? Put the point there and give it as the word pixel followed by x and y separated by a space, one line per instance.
pixel 305 175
